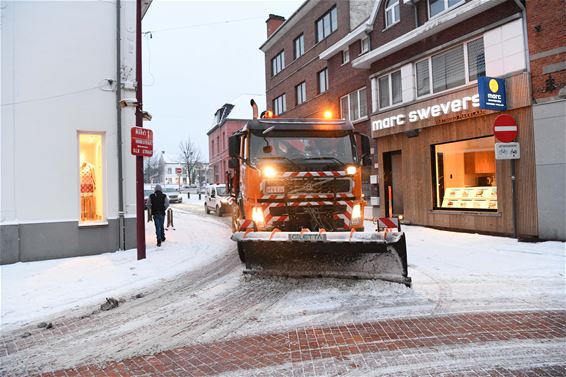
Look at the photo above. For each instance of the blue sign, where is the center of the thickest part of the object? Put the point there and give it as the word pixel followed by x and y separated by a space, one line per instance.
pixel 492 93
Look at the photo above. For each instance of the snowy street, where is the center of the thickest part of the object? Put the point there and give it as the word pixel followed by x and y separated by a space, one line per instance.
pixel 190 295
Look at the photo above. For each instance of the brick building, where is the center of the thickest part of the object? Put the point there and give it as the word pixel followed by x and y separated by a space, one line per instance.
pixel 227 119
pixel 419 62
pixel 547 50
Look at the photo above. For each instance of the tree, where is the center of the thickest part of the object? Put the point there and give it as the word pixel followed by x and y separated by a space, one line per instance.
pixel 152 169
pixel 190 157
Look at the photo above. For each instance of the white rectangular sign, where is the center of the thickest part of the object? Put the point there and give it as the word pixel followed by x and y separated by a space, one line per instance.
pixel 507 151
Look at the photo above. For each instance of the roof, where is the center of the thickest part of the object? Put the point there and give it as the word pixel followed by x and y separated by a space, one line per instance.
pixel 169 158
pixel 292 124
pixel 291 21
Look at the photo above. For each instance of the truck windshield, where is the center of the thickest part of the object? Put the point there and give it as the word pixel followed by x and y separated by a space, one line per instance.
pixel 303 147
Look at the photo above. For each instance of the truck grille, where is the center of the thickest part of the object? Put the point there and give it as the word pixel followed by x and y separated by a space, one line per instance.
pixel 282 211
pixel 309 185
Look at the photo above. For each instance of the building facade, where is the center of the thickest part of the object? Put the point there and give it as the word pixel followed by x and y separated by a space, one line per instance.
pixel 303 80
pixel 547 51
pixel 64 136
pixel 169 166
pixel 227 119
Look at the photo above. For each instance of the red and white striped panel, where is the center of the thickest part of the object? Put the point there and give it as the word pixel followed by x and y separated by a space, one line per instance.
pixel 387 223
pixel 245 224
pixel 301 174
pixel 308 196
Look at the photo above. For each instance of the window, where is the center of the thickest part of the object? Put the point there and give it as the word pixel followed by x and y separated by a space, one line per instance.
pixel 90 178
pixel 169 171
pixel 364 45
pixel 354 105
pixel 449 69
pixel 392 15
pixel 278 63
pixel 345 56
pixel 323 80
pixel 464 175
pixel 389 89
pixel 326 25
pixel 299 44
pixel 436 7
pixel 279 104
pixel 301 92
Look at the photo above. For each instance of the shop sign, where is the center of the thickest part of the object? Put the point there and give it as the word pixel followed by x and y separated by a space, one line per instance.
pixel 507 151
pixel 505 128
pixel 492 93
pixel 178 170
pixel 142 142
pixel 424 113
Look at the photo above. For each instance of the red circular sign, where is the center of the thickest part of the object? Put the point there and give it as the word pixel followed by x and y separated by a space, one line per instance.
pixel 505 128
pixel 178 170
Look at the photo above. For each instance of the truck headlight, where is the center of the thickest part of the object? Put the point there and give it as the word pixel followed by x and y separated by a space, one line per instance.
pixel 351 170
pixel 357 214
pixel 268 172
pixel 257 216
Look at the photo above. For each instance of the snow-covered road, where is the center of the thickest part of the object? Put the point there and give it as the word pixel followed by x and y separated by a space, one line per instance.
pixel 194 292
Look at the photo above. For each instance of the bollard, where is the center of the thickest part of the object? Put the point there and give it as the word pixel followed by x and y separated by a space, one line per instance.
pixel 188 195
pixel 170 219
pixel 199 196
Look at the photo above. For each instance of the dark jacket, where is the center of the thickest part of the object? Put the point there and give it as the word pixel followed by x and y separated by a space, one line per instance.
pixel 158 202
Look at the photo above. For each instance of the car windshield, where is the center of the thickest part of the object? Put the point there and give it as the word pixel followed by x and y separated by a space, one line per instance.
pixel 170 189
pixel 147 192
pixel 221 191
pixel 301 147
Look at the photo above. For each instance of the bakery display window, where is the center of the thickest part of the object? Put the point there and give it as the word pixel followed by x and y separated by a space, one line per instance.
pixel 464 175
pixel 90 178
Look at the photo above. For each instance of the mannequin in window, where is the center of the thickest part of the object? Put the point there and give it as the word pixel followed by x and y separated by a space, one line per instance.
pixel 88 185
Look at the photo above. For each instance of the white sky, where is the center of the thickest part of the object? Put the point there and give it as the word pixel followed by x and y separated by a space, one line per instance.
pixel 192 70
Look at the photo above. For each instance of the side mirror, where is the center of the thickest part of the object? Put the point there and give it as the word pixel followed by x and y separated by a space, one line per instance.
pixel 234 146
pixel 366 161
pixel 233 163
pixel 365 145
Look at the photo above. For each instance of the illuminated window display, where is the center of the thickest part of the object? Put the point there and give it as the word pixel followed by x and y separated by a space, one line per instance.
pixel 465 175
pixel 90 173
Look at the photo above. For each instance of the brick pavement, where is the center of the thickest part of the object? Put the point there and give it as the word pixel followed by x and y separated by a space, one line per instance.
pixel 528 343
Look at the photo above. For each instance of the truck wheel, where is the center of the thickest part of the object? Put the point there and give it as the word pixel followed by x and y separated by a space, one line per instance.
pixel 241 252
pixel 218 211
pixel 206 209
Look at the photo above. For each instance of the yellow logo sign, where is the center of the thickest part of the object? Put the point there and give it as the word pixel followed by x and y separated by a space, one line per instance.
pixel 493 85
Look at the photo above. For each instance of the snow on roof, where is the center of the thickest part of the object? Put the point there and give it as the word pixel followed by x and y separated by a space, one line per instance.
pixel 242 108
pixel 169 158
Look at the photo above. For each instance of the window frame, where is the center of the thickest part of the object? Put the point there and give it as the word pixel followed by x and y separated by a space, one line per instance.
pixel 321 20
pixel 280 101
pixel 302 86
pixel 301 40
pixel 368 46
pixel 467 81
pixel 376 91
pixel 280 57
pixel 326 81
pixel 359 105
pixel 447 7
pixel 345 56
pixel 100 176
pixel 396 14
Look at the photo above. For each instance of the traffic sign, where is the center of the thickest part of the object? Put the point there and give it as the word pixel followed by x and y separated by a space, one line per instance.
pixel 505 128
pixel 142 142
pixel 178 170
pixel 507 151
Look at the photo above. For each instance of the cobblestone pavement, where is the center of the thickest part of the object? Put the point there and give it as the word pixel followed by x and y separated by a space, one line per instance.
pixel 478 344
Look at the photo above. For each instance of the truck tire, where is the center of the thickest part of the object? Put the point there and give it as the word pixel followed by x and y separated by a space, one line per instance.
pixel 218 211
pixel 241 252
pixel 206 209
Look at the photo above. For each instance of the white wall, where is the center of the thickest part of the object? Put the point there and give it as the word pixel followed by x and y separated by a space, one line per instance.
pixel 55 59
pixel 505 49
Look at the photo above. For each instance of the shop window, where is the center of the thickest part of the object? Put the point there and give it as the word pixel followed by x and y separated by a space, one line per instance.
pixel 455 67
pixel 354 105
pixel 91 175
pixel 465 175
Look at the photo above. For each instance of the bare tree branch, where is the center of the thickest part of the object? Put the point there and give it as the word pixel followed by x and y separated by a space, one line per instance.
pixel 190 157
pixel 152 169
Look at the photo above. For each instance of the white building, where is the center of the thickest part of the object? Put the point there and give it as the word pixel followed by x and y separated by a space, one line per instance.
pixel 169 171
pixel 64 137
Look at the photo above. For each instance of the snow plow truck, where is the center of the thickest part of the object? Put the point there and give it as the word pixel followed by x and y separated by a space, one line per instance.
pixel 298 208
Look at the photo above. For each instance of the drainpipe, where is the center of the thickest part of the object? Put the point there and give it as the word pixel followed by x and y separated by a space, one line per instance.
pixel 525 39
pixel 121 224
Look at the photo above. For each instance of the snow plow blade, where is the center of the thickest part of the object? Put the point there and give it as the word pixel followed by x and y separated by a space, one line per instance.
pixel 362 255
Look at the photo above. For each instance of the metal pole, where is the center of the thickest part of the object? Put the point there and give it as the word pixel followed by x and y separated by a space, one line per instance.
pixel 140 226
pixel 121 225
pixel 514 198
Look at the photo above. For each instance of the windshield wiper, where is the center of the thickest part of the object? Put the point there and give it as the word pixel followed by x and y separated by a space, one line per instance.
pixel 323 158
pixel 280 158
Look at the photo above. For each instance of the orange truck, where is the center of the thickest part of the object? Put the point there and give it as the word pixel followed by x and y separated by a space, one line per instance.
pixel 298 207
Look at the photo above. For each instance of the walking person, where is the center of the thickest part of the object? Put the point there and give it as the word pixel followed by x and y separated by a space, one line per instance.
pixel 158 202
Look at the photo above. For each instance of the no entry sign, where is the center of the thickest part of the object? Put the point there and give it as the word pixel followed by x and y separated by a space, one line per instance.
pixel 142 142
pixel 178 170
pixel 505 128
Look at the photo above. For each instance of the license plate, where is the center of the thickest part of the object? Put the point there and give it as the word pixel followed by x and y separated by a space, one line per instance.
pixel 275 190
pixel 307 237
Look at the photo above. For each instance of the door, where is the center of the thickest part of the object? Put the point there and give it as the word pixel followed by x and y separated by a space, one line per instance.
pixel 393 183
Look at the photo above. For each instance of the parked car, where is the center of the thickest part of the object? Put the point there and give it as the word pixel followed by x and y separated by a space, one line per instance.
pixel 146 194
pixel 173 194
pixel 216 199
